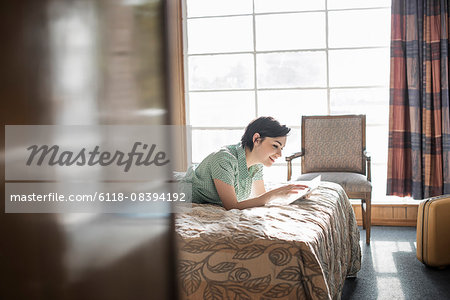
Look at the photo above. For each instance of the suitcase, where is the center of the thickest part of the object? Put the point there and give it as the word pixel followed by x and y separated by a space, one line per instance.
pixel 433 231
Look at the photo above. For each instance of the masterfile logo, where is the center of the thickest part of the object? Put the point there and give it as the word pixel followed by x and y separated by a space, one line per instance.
pixel 53 156
pixel 51 152
pixel 95 169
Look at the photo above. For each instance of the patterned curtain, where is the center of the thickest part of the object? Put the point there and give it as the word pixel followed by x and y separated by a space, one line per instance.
pixel 419 128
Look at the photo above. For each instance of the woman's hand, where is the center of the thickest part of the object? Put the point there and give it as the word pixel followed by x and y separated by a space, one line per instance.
pixel 286 190
pixel 228 197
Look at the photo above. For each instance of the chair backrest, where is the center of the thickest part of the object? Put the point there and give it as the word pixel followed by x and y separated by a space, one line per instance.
pixel 333 143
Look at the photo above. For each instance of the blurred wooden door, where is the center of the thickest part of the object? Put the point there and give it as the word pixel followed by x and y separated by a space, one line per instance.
pixel 87 62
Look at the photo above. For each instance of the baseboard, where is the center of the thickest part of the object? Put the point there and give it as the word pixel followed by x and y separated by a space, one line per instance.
pixel 390 214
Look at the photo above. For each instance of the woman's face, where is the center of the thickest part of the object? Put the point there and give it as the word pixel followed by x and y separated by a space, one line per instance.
pixel 267 150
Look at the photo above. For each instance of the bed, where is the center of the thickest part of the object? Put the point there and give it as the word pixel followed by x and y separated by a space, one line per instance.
pixel 305 250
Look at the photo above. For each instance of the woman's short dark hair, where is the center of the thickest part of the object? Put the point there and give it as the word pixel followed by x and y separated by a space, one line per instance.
pixel 266 127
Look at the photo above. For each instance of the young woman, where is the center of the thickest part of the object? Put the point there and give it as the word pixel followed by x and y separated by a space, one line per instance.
pixel 227 177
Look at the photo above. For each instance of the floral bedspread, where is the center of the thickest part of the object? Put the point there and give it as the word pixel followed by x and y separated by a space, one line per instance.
pixel 303 250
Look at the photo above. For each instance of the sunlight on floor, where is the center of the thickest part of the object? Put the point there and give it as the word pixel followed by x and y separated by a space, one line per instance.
pixel 389 288
pixel 383 261
pixel 382 258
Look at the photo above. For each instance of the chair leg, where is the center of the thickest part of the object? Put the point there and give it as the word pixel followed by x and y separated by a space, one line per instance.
pixel 363 213
pixel 368 201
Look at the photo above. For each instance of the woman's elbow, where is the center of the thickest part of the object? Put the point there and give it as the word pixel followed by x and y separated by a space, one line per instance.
pixel 228 205
pixel 231 206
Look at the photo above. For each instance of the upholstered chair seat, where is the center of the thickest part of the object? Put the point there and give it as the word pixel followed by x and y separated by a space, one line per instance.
pixel 350 182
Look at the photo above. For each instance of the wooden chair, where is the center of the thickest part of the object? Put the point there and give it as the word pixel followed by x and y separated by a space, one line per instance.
pixel 335 148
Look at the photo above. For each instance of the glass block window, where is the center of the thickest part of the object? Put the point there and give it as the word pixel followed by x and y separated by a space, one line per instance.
pixel 286 58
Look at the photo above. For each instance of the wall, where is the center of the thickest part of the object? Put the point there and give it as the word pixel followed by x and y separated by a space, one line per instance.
pixel 390 214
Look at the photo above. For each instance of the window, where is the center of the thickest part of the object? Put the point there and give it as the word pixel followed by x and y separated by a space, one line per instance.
pixel 287 58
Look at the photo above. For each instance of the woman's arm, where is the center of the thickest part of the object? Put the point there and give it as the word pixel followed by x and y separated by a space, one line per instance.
pixel 228 197
pixel 258 187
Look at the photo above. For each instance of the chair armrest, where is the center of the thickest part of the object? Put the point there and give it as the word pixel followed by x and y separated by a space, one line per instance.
pixel 289 163
pixel 368 160
pixel 293 156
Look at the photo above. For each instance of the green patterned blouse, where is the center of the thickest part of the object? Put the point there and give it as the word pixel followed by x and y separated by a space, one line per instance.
pixel 228 165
